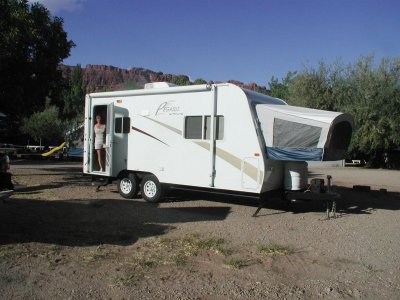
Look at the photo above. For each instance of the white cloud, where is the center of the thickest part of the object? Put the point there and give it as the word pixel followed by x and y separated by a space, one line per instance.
pixel 59 5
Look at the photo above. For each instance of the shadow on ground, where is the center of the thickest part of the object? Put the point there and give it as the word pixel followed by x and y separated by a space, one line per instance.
pixel 93 222
pixel 351 202
pixel 364 202
pixel 122 222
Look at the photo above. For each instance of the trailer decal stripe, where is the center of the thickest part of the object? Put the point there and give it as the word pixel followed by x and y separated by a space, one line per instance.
pixel 166 126
pixel 236 162
pixel 145 133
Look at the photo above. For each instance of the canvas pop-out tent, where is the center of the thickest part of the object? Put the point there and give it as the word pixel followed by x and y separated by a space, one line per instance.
pixel 294 133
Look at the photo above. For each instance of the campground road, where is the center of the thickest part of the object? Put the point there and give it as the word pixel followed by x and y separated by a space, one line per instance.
pixel 342 176
pixel 44 164
pixel 349 176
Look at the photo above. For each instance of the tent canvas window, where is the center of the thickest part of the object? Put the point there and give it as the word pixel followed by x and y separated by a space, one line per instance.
pixel 294 134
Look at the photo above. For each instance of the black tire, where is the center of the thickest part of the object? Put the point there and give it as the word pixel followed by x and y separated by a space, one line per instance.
pixel 151 189
pixel 128 186
pixel 11 186
pixel 5 181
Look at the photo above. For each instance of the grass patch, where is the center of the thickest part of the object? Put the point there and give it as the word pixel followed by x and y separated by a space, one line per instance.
pixel 54 248
pixel 235 263
pixel 176 251
pixel 275 249
pixel 141 260
pixel 156 252
pixel 13 251
pixel 127 280
pixel 215 244
pixel 162 251
pixel 178 259
pixel 99 253
pixel 192 244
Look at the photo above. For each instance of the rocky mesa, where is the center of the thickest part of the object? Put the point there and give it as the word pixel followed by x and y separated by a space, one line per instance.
pixel 109 78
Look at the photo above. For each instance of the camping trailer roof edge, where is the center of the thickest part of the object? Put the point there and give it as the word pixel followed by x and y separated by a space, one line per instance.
pixel 154 91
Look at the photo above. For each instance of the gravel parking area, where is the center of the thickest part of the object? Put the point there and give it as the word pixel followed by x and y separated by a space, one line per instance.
pixel 59 238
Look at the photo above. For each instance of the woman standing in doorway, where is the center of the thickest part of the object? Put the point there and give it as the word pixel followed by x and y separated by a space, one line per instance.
pixel 99 134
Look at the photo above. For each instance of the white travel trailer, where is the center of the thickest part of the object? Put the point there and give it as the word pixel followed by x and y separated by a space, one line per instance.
pixel 218 138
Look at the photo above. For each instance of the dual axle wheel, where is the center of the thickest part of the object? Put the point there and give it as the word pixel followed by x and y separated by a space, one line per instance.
pixel 150 187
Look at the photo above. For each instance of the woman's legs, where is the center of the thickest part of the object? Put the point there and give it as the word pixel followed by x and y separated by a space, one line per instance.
pixel 99 158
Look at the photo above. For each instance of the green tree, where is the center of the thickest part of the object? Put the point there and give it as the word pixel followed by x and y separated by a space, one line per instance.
pixel 74 95
pixel 369 91
pixel 375 106
pixel 32 44
pixel 281 89
pixel 312 88
pixel 262 90
pixel 45 125
pixel 199 81
pixel 181 80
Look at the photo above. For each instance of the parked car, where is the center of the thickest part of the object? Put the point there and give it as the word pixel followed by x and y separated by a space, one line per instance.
pixel 6 185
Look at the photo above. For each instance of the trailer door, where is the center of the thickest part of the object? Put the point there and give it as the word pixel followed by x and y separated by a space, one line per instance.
pixel 109 147
pixel 87 136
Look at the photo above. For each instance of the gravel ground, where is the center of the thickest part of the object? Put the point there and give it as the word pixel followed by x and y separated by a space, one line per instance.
pixel 59 238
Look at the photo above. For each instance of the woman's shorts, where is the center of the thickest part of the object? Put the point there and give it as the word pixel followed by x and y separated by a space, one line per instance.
pixel 98 146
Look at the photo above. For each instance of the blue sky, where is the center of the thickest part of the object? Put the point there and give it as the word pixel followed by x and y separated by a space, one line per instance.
pixel 219 40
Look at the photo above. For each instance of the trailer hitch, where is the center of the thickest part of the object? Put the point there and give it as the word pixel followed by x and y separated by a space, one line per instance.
pixel 312 194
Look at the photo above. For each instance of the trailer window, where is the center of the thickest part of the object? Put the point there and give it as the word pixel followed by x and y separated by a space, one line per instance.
pixel 126 125
pixel 193 127
pixel 122 125
pixel 219 127
pixel 199 127
pixel 118 125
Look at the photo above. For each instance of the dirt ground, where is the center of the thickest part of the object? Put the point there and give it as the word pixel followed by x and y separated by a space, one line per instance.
pixel 59 238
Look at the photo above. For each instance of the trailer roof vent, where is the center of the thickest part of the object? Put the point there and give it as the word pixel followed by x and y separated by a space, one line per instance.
pixel 158 85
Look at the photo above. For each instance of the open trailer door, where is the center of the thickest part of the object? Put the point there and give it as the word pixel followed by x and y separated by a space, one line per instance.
pixel 87 150
pixel 294 133
pixel 109 145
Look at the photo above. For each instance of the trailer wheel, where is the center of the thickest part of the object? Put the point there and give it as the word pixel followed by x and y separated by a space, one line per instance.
pixel 128 186
pixel 151 189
